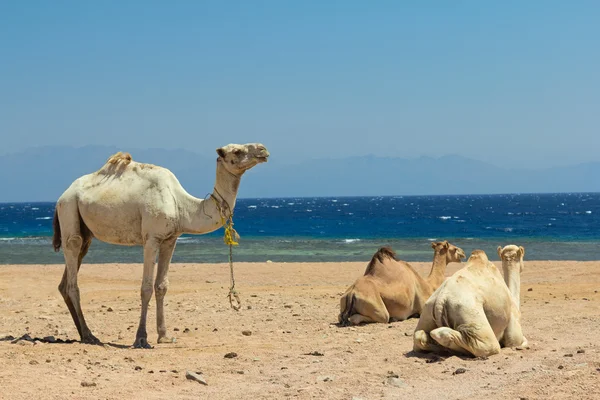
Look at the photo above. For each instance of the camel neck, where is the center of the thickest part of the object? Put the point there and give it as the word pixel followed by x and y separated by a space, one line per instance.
pixel 512 277
pixel 206 215
pixel 438 270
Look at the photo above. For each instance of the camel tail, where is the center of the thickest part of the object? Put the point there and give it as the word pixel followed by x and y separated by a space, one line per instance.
pixel 348 309
pixel 470 334
pixel 56 239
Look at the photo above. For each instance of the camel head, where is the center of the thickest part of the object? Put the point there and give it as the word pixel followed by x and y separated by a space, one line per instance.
pixel 239 158
pixel 453 253
pixel 512 255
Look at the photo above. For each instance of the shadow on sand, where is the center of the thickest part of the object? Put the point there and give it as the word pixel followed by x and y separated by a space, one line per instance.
pixel 52 340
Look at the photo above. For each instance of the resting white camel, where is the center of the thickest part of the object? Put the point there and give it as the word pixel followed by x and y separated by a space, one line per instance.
pixel 130 203
pixel 391 290
pixel 473 311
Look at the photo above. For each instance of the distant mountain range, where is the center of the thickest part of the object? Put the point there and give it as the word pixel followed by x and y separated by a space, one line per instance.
pixel 43 173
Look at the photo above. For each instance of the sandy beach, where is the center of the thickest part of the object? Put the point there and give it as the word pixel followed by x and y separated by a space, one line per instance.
pixel 291 310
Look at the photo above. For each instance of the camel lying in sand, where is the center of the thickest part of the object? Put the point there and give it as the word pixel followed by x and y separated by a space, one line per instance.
pixel 474 311
pixel 391 290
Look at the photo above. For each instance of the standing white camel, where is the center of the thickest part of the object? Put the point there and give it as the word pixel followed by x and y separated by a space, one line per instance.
pixel 130 203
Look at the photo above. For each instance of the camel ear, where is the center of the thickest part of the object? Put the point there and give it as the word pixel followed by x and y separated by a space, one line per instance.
pixel 221 152
pixel 522 251
pixel 433 245
pixel 500 252
pixel 446 244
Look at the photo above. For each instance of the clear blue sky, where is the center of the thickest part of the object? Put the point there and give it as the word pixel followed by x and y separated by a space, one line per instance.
pixel 514 82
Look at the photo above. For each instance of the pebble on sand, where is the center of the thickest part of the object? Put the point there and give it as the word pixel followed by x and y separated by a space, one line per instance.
pixel 192 376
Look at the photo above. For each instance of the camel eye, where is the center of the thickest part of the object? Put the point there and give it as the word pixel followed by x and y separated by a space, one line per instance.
pixel 237 152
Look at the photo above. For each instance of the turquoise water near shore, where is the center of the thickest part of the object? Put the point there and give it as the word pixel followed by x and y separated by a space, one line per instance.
pixel 550 226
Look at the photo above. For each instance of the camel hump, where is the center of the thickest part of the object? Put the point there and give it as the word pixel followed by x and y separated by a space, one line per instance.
pixel 119 158
pixel 383 253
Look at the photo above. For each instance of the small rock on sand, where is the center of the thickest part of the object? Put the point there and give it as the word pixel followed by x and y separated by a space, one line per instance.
pixel 325 378
pixel 88 384
pixel 231 355
pixel 192 376
pixel 397 382
pixel 314 353
pixel 459 371
pixel 247 333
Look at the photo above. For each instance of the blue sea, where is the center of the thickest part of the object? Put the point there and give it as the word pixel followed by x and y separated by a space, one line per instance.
pixel 550 226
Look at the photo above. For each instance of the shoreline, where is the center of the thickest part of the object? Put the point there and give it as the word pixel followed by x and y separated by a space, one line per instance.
pixel 212 250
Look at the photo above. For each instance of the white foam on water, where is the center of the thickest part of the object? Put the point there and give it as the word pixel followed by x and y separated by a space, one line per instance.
pixel 252 206
pixel 44 218
pixel 444 217
pixel 351 240
pixel 588 212
pixel 34 208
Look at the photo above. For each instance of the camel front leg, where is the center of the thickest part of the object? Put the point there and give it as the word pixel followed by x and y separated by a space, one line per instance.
pixel 513 334
pixel 161 286
pixel 150 250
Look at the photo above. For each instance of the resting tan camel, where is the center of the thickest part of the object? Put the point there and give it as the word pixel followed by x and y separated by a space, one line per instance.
pixel 474 311
pixel 130 203
pixel 391 290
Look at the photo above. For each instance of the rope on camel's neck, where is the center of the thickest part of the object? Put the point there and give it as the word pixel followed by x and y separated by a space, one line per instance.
pixel 230 237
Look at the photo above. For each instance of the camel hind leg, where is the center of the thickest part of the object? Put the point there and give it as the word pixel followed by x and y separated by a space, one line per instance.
pixel 76 238
pixel 477 339
pixel 422 340
pixel 369 310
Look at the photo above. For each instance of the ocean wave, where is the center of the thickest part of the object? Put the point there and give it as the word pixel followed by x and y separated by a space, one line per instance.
pixel 445 217
pixel 252 206
pixel 186 240
pixel 351 240
pixel 588 212
pixel 44 218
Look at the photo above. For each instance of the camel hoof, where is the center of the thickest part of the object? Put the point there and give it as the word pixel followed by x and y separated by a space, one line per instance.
pixel 420 341
pixel 90 339
pixel 141 343
pixel 165 339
